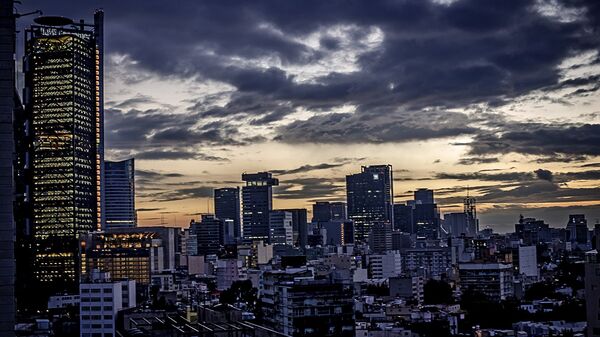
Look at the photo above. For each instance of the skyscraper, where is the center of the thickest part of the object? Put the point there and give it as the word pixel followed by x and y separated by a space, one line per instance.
pixel 7 224
pixel 426 215
pixel 324 211
pixel 119 191
pixel 403 218
pixel 257 202
pixel 63 99
pixel 370 198
pixel 227 206
pixel 299 225
pixel 208 233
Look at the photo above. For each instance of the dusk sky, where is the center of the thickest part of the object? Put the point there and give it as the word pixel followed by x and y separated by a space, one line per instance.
pixel 502 97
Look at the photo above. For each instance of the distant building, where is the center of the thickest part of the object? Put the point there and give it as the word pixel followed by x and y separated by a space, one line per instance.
pixel 403 218
pixel 228 271
pixel 119 190
pixel 426 219
pixel 169 237
pixel 280 228
pixel 100 301
pixel 324 211
pixel 299 225
pixel 227 206
pixel 408 288
pixel 297 304
pixel 133 256
pixel 257 202
pixel 337 232
pixel 385 265
pixel 380 237
pixel 494 280
pixel 424 196
pixel 577 229
pixel 208 233
pixel 532 231
pixel 430 262
pixel 527 262
pixel 370 198
pixel 592 293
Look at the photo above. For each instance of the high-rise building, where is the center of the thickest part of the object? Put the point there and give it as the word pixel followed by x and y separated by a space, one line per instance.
pixel 63 119
pixel 7 224
pixel 324 211
pixel 299 225
pixel 370 198
pixel 424 196
pixel 403 218
pixel 380 237
pixel 426 215
pixel 494 280
pixel 280 227
pixel 119 194
pixel 227 206
pixel 208 233
pixel 577 229
pixel 257 202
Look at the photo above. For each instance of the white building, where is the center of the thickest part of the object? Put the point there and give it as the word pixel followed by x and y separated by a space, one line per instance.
pixel 528 262
pixel 384 265
pixel 100 301
pixel 63 301
pixel 228 271
pixel 280 228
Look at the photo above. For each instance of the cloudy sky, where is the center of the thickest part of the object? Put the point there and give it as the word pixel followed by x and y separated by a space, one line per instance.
pixel 500 96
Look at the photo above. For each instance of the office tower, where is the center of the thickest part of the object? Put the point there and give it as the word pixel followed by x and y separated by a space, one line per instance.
pixel 577 229
pixel 280 228
pixel 133 256
pixel 7 224
pixel 430 262
pixel 526 260
pixel 119 194
pixel 470 210
pixel 324 211
pixel 299 225
pixel 337 232
pixel 456 224
pixel 227 206
pixel 531 231
pixel 380 237
pixel 297 304
pixel 424 196
pixel 426 216
pixel 63 118
pixel 257 202
pixel 592 292
pixel 370 198
pixel 403 218
pixel 338 210
pixel 208 232
pixel 101 299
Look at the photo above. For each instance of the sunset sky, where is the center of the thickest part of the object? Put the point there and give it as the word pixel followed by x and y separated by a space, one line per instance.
pixel 500 97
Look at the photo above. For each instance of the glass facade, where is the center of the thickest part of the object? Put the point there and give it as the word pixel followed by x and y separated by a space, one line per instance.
pixel 370 198
pixel 119 194
pixel 63 122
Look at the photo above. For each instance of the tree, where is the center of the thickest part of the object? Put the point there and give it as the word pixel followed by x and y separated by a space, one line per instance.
pixel 438 292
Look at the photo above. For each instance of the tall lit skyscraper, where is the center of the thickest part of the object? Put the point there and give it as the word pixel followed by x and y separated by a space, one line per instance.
pixel 227 206
pixel 370 198
pixel 257 202
pixel 119 194
pixel 63 120
pixel 7 224
pixel 426 215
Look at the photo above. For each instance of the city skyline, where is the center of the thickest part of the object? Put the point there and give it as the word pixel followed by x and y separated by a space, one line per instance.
pixel 311 99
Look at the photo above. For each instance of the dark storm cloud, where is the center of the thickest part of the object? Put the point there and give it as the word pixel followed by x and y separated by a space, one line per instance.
pixel 153 175
pixel 338 162
pixel 309 188
pixel 432 55
pixel 477 160
pixel 544 174
pixel 551 142
pixel 180 194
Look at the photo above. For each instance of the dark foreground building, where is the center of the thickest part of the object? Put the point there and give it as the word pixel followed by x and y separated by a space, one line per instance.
pixel 7 224
pixel 257 203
